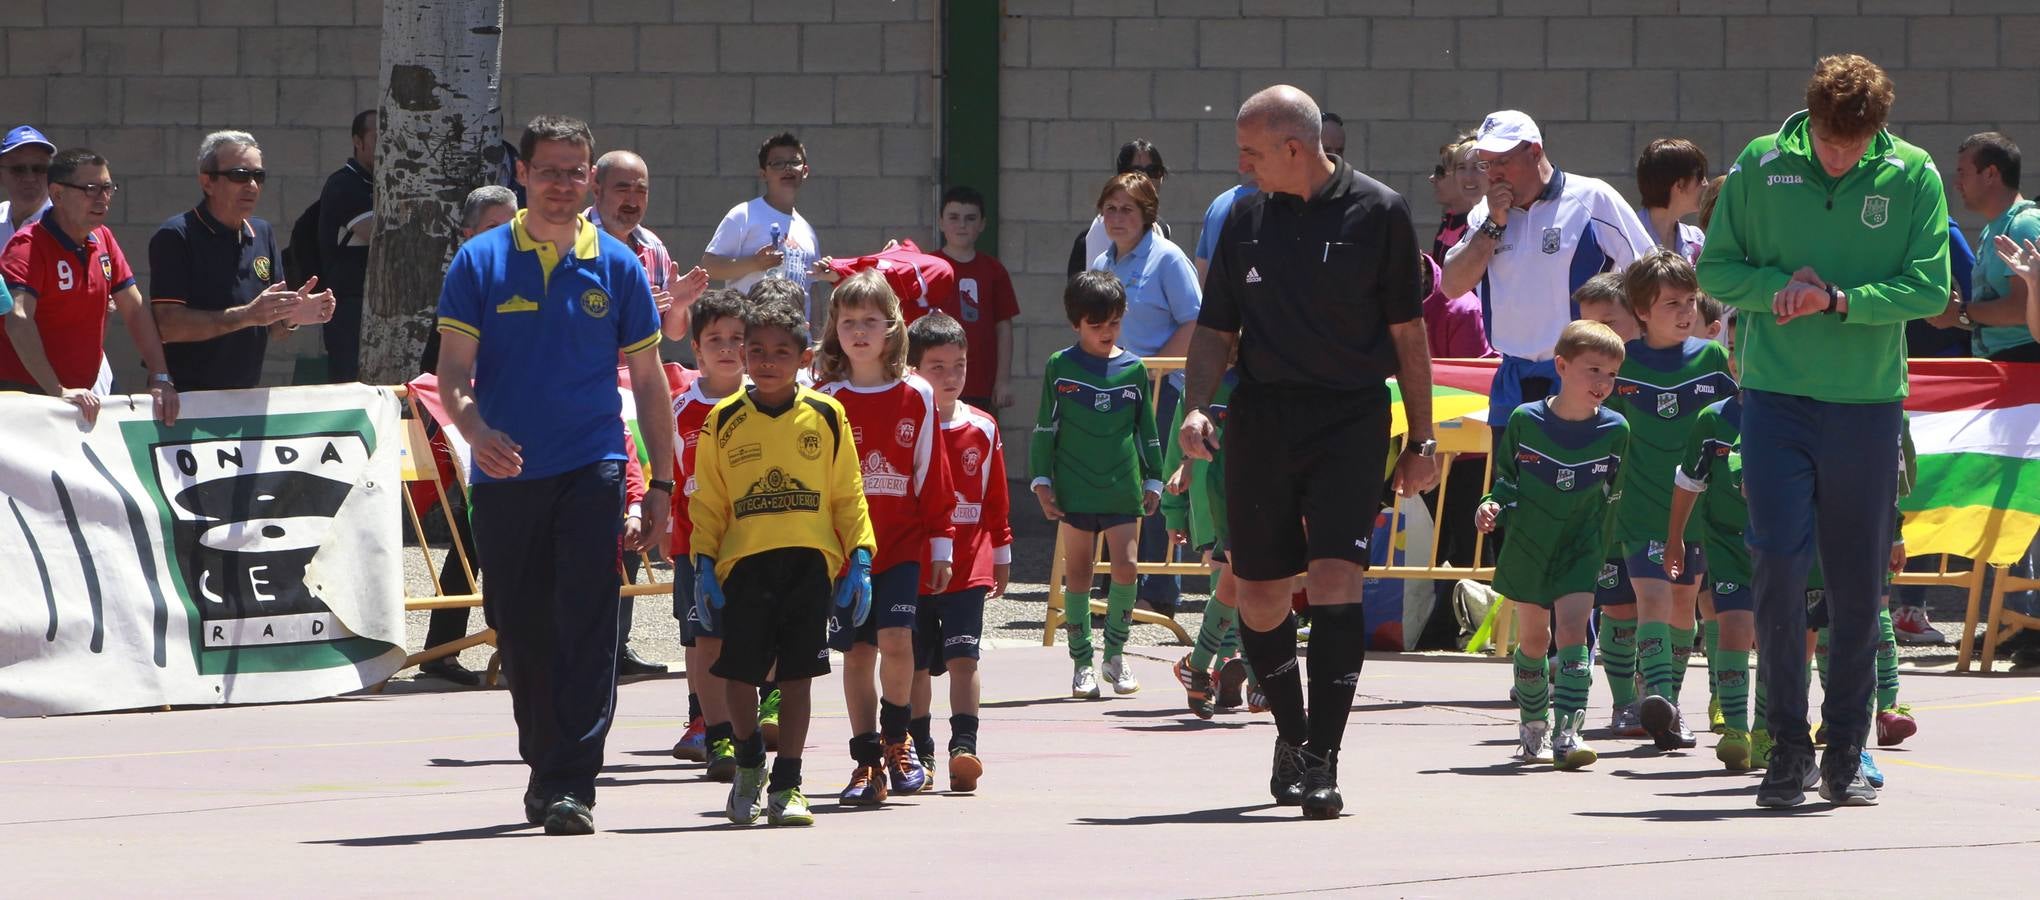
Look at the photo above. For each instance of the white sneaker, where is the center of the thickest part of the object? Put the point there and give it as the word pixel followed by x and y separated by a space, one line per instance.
pixel 1533 736
pixel 1084 685
pixel 1568 750
pixel 1120 676
pixel 1909 624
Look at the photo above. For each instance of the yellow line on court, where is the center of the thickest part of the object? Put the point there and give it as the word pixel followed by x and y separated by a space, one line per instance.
pixel 1979 705
pixel 2013 776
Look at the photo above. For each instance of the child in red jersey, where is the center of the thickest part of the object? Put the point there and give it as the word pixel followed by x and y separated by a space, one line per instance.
pixel 907 488
pixel 952 620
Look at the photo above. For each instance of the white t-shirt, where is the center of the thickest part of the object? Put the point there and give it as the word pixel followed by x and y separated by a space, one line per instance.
pixel 748 226
pixel 7 228
pixel 1576 229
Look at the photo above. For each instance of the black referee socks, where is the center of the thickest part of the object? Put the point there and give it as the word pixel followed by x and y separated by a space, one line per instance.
pixel 1273 655
pixel 1338 646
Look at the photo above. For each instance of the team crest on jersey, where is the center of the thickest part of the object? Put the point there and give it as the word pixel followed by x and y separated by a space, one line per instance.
pixel 904 432
pixel 1610 576
pixel 1876 211
pixel 881 479
pixel 595 303
pixel 1551 240
pixel 777 492
pixel 1655 552
pixel 262 269
pixel 810 444
pixel 1726 587
pixel 1564 481
pixel 971 458
pixel 1668 405
pixel 1101 402
pixel 106 267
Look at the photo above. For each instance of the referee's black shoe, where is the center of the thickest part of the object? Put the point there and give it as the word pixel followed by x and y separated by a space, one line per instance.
pixel 1286 783
pixel 566 815
pixel 1321 798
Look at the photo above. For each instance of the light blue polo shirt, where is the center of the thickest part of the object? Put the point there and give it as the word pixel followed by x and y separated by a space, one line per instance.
pixel 549 329
pixel 1214 218
pixel 1990 279
pixel 1162 293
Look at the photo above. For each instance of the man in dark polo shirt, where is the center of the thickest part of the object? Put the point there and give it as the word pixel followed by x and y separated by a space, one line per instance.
pixel 346 219
pixel 215 277
pixel 1316 280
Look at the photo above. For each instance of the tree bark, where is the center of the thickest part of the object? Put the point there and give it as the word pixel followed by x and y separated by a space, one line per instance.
pixel 442 126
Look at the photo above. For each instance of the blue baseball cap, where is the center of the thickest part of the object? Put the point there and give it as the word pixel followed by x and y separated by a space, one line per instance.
pixel 25 136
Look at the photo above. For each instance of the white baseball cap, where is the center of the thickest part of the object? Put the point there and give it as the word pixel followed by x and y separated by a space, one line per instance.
pixel 1503 130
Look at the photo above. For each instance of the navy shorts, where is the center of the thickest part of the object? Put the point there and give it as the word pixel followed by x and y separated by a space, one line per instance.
pixel 1096 522
pixel 895 601
pixel 1649 562
pixel 683 605
pixel 951 625
pixel 1734 596
pixel 1612 588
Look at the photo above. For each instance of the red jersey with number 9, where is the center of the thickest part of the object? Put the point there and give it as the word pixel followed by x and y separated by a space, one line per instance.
pixel 906 472
pixel 71 286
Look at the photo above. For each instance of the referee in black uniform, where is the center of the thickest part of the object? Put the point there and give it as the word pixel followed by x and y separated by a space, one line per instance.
pixel 1316 279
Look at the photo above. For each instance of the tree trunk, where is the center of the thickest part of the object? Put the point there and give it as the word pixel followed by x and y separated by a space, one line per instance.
pixel 442 126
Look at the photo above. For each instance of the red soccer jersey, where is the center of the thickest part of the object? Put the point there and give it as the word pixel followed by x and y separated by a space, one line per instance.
pixel 71 286
pixel 690 413
pixel 924 282
pixel 984 298
pixel 977 466
pixel 906 472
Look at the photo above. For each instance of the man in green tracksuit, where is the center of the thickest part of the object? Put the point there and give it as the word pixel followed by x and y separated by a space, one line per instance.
pixel 1830 235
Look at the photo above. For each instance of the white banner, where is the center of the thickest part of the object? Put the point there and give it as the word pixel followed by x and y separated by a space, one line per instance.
pixel 250 553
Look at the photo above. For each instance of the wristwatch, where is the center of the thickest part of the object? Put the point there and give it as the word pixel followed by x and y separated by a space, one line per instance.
pixel 660 484
pixel 1962 316
pixel 162 378
pixel 1834 298
pixel 1427 449
pixel 1493 230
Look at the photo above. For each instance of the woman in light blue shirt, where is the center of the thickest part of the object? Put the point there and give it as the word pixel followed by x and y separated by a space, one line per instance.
pixel 1162 291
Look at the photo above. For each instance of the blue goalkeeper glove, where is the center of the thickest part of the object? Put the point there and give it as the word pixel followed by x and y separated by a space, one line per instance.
pixel 853 591
pixel 708 595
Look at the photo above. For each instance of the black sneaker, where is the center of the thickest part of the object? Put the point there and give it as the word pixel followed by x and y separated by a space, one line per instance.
pixel 566 815
pixel 1841 777
pixel 1661 722
pixel 1200 694
pixel 1286 783
pixel 534 806
pixel 450 669
pixel 1321 798
pixel 1787 779
pixel 630 665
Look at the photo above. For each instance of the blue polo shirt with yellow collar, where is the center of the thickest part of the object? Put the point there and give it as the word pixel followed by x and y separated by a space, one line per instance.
pixel 549 327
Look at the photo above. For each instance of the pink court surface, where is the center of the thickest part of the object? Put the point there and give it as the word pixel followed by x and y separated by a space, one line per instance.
pixel 418 794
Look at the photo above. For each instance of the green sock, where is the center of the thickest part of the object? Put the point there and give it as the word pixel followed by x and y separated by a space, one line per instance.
pixel 1119 602
pixel 1681 647
pixel 1731 671
pixel 1218 620
pixel 1710 643
pixel 1533 688
pixel 1575 679
pixel 1077 623
pixel 1654 654
pixel 1618 659
pixel 1820 657
pixel 1887 662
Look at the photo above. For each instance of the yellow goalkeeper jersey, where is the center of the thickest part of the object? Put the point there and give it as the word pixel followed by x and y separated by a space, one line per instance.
pixel 767 479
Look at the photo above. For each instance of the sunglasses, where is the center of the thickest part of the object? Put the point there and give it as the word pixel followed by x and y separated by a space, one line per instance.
pixel 241 176
pixel 27 169
pixel 785 165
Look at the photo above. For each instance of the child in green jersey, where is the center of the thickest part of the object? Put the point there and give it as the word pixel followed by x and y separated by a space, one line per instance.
pixel 1097 467
pixel 1601 299
pixel 1194 511
pixel 1556 480
pixel 1667 378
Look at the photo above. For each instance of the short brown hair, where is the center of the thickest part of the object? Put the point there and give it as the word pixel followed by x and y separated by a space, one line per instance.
pixel 1711 310
pixel 1603 288
pixel 1665 163
pixel 1585 336
pixel 1710 193
pixel 1142 191
pixel 555 128
pixel 1647 276
pixel 1849 96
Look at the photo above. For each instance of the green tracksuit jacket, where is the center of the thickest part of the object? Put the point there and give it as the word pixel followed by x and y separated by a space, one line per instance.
pixel 1879 232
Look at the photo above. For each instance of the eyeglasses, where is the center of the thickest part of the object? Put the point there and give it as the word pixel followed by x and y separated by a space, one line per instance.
pixel 241 176
pixel 27 169
pixel 93 190
pixel 575 175
pixel 786 165
pixel 1505 159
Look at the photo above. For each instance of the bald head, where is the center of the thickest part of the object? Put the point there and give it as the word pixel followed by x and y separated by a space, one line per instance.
pixel 1286 112
pixel 622 188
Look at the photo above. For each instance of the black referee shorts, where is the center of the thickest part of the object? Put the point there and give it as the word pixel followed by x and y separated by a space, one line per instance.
pixel 1304 469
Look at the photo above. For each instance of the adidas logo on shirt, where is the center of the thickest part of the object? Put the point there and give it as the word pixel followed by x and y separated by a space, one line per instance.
pixel 1253 275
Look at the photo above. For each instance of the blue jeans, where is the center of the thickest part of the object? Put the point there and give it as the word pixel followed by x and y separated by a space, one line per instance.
pixel 1820 476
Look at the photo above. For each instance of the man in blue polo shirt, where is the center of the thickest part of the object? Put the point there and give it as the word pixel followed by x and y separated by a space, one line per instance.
pixel 531 318
pixel 215 276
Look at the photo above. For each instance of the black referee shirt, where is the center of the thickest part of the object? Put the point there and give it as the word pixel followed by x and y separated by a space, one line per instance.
pixel 196 260
pixel 1312 285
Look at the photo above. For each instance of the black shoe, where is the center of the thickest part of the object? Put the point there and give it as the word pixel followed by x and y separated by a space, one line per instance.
pixel 1321 798
pixel 1841 777
pixel 450 669
pixel 1231 677
pixel 534 806
pixel 567 815
pixel 1286 782
pixel 1787 779
pixel 630 665
pixel 1661 721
